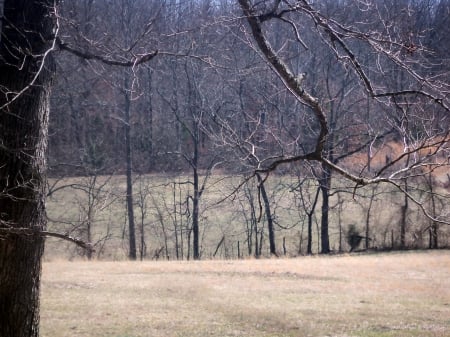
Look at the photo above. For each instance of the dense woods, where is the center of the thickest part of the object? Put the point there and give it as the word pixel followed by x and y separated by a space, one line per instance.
pixel 312 91
pixel 210 90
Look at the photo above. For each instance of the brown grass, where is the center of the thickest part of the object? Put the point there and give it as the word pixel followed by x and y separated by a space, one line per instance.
pixel 398 294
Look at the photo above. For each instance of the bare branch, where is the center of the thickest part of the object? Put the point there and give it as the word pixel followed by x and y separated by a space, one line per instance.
pixel 286 75
pixel 136 60
pixel 5 231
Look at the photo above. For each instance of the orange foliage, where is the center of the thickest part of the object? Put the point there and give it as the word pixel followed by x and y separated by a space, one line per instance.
pixel 436 149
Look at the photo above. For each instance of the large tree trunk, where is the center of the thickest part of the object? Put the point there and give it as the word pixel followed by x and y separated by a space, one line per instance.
pixel 27 33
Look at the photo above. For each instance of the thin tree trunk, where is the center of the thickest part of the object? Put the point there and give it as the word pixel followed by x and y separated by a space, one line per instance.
pixel 143 245
pixel 434 226
pixel 163 228
pixel 325 185
pixel 26 35
pixel 260 243
pixel 369 209
pixel 175 222
pixel 404 209
pixel 195 218
pixel 268 212
pixel 150 113
pixel 310 215
pixel 257 242
pixel 340 203
pixel 129 174
pixel 253 226
pixel 90 212
pixel 197 194
pixel 219 245
pixel 181 225
pixel 309 243
pixel 404 218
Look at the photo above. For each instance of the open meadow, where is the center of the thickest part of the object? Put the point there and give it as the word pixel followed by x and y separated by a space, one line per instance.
pixel 373 295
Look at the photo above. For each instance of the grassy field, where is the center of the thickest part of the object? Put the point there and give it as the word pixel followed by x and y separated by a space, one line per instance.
pixel 162 202
pixel 395 294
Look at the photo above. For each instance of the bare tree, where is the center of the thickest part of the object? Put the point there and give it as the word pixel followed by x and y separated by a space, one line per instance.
pixel 117 43
pixel 254 234
pixel 417 90
pixel 93 196
pixel 308 205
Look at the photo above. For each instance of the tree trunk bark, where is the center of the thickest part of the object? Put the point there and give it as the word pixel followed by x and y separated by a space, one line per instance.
pixel 369 209
pixel 195 215
pixel 130 206
pixel 25 77
pixel 310 215
pixel 197 193
pixel 434 226
pixel 175 223
pixel 270 224
pixel 404 217
pixel 325 185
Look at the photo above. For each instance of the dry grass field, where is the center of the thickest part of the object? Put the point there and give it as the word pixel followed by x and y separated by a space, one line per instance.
pixel 380 295
pixel 68 210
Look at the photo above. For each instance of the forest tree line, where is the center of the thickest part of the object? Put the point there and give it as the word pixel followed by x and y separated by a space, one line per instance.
pixel 180 88
pixel 209 88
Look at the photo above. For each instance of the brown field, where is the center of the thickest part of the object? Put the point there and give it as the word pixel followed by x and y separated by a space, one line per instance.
pixel 380 295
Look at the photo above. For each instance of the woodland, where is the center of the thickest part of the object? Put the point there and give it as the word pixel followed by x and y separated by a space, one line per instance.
pixel 327 104
pixel 186 89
